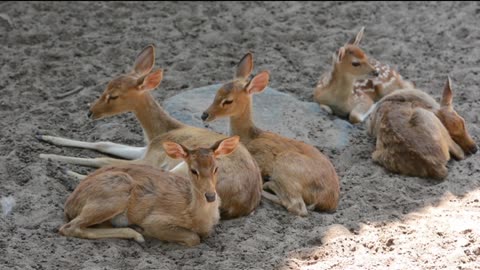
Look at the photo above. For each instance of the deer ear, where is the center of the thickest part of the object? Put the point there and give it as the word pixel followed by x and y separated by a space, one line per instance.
pixel 245 66
pixel 226 146
pixel 447 94
pixel 334 59
pixel 175 150
pixel 258 83
pixel 341 54
pixel 151 81
pixel 145 61
pixel 356 40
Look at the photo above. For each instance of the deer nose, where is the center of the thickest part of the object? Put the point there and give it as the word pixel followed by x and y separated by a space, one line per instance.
pixel 89 114
pixel 375 73
pixel 210 197
pixel 474 149
pixel 204 116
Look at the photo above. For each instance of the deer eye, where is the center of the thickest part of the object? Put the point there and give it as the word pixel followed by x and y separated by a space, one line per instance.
pixel 194 172
pixel 215 171
pixel 227 102
pixel 109 97
pixel 355 64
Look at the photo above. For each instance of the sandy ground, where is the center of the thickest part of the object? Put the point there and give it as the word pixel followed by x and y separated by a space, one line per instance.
pixel 383 220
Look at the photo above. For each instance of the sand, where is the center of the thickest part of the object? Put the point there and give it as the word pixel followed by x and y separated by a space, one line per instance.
pixel 383 220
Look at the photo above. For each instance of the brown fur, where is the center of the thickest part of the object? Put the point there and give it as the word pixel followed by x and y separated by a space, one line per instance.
pixel 336 90
pixel 414 136
pixel 300 175
pixel 162 204
pixel 239 184
pixel 387 81
pixel 347 91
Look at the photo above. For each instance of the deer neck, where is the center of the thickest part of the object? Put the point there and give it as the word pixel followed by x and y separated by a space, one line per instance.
pixel 342 84
pixel 242 124
pixel 154 120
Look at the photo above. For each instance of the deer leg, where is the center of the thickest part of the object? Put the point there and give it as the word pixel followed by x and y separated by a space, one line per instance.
pixel 361 111
pixel 181 169
pixel 456 151
pixel 376 156
pixel 297 207
pixel 173 234
pixel 100 233
pixel 89 162
pixel 271 197
pixel 293 204
pixel 326 109
pixel 119 150
pixel 75 175
pixel 98 212
pixel 379 92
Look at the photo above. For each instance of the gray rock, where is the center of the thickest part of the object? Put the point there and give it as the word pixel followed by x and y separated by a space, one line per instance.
pixel 274 111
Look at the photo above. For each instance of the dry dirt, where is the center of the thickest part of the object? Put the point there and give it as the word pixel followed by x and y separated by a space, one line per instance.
pixel 383 220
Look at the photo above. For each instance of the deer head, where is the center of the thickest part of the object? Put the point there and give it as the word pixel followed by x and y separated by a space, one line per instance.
pixel 202 163
pixel 353 62
pixel 453 122
pixel 234 97
pixel 117 97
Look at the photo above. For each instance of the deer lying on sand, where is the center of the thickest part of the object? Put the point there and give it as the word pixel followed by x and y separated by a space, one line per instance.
pixel 301 176
pixel 164 205
pixel 239 179
pixel 416 135
pixel 346 91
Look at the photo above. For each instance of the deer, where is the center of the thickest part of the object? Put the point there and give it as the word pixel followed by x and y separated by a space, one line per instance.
pixel 416 136
pixel 239 179
pixel 300 176
pixel 387 81
pixel 159 204
pixel 356 82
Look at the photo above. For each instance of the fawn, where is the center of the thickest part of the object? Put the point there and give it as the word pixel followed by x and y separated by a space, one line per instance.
pixel 416 135
pixel 387 81
pixel 239 179
pixel 162 204
pixel 346 91
pixel 300 175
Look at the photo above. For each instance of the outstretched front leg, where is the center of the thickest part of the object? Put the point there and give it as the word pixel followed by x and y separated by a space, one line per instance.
pixel 89 162
pixel 361 110
pixel 118 150
pixel 75 175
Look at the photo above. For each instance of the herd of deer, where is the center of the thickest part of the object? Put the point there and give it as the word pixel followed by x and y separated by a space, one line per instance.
pixel 168 189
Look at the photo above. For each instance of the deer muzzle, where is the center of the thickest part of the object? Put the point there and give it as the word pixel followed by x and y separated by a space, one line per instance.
pixel 474 149
pixel 204 116
pixel 210 196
